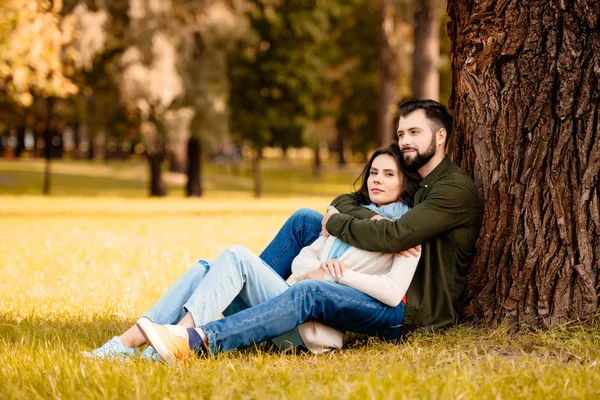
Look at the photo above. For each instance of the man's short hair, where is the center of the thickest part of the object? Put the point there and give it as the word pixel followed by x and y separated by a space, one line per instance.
pixel 434 111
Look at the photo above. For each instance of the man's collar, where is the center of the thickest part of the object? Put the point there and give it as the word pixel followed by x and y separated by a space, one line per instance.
pixel 437 171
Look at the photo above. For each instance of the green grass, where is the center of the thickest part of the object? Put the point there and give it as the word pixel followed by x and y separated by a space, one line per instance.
pixel 130 179
pixel 75 271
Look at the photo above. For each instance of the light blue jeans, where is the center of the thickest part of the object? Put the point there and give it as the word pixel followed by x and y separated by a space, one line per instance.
pixel 238 279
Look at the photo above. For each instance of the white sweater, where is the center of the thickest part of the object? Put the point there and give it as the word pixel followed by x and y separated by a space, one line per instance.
pixel 383 276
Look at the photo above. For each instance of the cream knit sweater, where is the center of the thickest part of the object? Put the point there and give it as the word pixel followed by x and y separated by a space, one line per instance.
pixel 383 276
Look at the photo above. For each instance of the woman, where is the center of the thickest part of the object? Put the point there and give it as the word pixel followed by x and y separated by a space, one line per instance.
pixel 239 279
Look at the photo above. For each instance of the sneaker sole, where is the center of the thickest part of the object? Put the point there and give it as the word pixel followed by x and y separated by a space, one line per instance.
pixel 147 328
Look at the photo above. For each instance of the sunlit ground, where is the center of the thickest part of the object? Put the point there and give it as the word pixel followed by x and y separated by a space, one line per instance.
pixel 75 271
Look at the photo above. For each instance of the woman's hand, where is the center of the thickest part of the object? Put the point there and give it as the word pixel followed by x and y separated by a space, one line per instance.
pixel 377 217
pixel 316 274
pixel 333 268
pixel 412 252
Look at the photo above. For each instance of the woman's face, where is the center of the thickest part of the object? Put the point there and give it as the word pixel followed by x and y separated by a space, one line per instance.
pixel 384 182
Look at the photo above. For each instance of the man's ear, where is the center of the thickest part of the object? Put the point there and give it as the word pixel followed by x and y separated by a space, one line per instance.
pixel 440 137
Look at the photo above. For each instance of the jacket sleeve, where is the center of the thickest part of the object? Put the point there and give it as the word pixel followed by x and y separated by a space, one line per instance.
pixel 308 258
pixel 345 205
pixel 389 288
pixel 448 205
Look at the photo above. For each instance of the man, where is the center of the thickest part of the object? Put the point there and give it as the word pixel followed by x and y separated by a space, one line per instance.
pixel 445 220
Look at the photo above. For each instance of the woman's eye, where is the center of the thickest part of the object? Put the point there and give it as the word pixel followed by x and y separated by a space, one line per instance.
pixel 373 173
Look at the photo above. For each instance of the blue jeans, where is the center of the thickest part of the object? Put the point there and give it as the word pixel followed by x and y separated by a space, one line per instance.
pixel 239 279
pixel 333 304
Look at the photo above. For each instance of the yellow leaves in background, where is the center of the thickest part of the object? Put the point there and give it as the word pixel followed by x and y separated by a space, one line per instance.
pixel 32 36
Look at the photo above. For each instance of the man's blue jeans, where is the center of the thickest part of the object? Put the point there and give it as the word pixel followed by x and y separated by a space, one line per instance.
pixel 333 304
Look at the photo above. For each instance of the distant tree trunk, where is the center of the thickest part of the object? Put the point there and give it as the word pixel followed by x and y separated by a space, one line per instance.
pixel 387 76
pixel 194 154
pixel 257 173
pixel 76 140
pixel 48 134
pixel 157 185
pixel 341 147
pixel 317 162
pixel 48 157
pixel 525 94
pixel 20 141
pixel 426 56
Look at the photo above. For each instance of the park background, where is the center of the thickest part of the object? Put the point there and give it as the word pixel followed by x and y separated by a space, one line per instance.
pixel 138 136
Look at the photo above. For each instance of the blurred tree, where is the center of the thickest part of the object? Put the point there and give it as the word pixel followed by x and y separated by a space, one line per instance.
pixel 388 72
pixel 426 55
pixel 277 75
pixel 32 40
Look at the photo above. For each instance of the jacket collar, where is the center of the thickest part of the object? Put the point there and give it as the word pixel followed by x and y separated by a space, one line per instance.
pixel 436 173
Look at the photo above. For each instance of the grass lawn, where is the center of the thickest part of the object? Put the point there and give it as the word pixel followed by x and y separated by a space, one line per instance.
pixel 75 271
pixel 130 179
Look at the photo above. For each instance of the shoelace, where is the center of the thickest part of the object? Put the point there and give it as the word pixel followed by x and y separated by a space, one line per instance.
pixel 178 331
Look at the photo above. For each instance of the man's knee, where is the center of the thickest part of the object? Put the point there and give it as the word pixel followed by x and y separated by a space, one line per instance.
pixel 307 287
pixel 306 216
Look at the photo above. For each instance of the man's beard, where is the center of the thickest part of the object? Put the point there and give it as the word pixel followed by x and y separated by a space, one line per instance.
pixel 419 159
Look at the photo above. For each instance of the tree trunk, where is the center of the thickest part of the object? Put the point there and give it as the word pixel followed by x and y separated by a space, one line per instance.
pixel 48 134
pixel 157 185
pixel 426 55
pixel 317 166
pixel 525 94
pixel 257 172
pixel 194 181
pixel 387 76
pixel 341 147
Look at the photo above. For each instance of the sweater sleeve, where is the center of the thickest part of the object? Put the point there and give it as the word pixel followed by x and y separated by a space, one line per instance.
pixel 345 204
pixel 389 288
pixel 308 258
pixel 448 204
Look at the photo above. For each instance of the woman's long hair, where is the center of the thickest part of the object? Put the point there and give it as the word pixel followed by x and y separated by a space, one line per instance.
pixel 410 181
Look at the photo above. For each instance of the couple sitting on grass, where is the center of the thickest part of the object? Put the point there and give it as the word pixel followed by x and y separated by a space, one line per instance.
pixel 360 268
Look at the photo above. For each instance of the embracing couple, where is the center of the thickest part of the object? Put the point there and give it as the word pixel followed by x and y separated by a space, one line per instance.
pixel 389 258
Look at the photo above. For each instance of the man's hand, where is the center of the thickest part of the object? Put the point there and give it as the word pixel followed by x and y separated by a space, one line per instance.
pixel 331 210
pixel 333 268
pixel 316 274
pixel 412 252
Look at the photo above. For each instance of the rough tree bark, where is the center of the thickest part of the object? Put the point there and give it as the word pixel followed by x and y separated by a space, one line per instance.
pixel 426 56
pixel 526 97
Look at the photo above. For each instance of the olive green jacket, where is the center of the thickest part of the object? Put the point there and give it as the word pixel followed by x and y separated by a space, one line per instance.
pixel 445 221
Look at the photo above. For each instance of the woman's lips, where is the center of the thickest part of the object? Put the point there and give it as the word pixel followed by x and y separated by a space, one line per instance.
pixel 376 190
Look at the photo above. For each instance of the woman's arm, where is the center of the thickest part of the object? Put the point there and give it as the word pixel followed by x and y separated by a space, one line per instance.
pixel 308 258
pixel 389 288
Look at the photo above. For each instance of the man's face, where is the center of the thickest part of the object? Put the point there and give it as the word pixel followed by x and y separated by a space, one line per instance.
pixel 416 140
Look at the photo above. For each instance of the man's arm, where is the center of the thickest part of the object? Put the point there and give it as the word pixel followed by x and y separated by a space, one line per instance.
pixel 448 205
pixel 345 205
